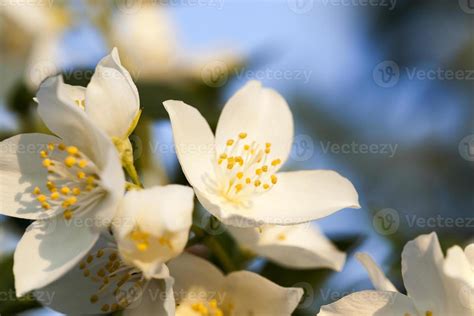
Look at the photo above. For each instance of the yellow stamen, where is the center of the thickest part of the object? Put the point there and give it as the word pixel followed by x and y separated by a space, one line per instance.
pixel 61 146
pixel 242 135
pixel 76 191
pixel 43 154
pixel 257 183
pixel 41 198
pixel 47 163
pixel 37 191
pixel 274 179
pixel 240 174
pixel 230 142
pixel 82 163
pixel 70 161
pixel 276 162
pixel 65 190
pixel 54 195
pixel 72 150
pixel 67 214
pixel 81 175
pixel 266 186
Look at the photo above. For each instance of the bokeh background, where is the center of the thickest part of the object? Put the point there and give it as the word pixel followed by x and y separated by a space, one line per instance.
pixel 381 91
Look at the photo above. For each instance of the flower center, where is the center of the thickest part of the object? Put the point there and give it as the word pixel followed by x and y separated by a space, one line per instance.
pixel 73 183
pixel 113 278
pixel 202 308
pixel 143 239
pixel 244 169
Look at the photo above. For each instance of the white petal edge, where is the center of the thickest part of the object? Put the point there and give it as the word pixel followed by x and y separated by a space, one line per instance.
pixel 301 246
pixel 21 171
pixel 112 100
pixel 41 256
pixel 422 273
pixel 263 114
pixel 298 197
pixel 376 275
pixel 194 143
pixel 371 303
pixel 253 294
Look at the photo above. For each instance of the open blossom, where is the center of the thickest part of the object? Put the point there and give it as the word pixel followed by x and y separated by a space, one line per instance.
pixel 110 100
pixel 70 184
pixel 236 173
pixel 301 246
pixel 436 286
pixel 151 228
pixel 202 290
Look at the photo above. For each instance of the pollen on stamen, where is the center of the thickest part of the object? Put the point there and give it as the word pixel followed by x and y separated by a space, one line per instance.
pixel 65 190
pixel 274 179
pixel 43 154
pixel 70 161
pixel 72 150
pixel 276 162
pixel 67 214
pixel 242 135
pixel 81 175
pixel 257 183
pixel 266 186
pixel 82 163
pixel 47 163
pixel 230 142
pixel 36 191
pixel 54 196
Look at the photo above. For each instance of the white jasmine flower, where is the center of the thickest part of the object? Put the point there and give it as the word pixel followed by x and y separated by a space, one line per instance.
pixel 110 100
pixel 301 246
pixel 129 271
pixel 201 289
pixel 431 288
pixel 235 174
pixel 70 184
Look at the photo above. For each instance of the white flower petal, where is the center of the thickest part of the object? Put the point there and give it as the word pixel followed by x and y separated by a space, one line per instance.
pixel 422 261
pixel 70 123
pixel 470 254
pixel 21 171
pixel 191 272
pixel 263 114
pixel 72 292
pixel 194 143
pixel 457 265
pixel 252 294
pixel 47 251
pixel 112 100
pixel 301 246
pixel 157 299
pixel 298 197
pixel 378 278
pixel 371 303
pixel 165 214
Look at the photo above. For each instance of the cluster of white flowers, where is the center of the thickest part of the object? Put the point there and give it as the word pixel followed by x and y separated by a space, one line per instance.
pixel 101 242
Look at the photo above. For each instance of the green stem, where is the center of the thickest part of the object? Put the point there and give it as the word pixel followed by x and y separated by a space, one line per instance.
pixel 132 172
pixel 215 246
